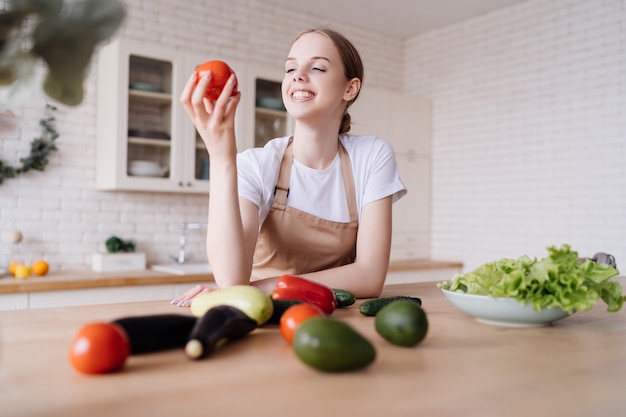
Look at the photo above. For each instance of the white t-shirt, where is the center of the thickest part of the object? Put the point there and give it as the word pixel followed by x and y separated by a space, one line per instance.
pixel 321 192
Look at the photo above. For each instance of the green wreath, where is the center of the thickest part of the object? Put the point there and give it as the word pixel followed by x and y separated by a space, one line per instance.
pixel 40 149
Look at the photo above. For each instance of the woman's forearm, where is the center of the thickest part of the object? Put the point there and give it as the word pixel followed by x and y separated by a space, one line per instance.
pixel 226 244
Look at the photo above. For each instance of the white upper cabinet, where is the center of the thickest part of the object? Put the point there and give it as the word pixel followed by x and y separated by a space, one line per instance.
pixel 402 120
pixel 146 141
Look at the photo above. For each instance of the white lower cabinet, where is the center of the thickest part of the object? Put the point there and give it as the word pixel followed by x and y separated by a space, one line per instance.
pixel 17 301
pixel 426 275
pixel 87 296
pixel 107 295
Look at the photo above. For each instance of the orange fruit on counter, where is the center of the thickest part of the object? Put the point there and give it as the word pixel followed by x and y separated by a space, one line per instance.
pixel 40 268
pixel 13 266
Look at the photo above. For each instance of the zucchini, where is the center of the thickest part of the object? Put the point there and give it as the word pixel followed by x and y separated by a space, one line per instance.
pixel 373 306
pixel 218 325
pixel 279 308
pixel 344 298
pixel 250 300
pixel 157 332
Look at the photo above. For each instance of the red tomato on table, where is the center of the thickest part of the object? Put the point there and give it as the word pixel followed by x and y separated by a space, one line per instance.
pixel 294 316
pixel 220 72
pixel 99 348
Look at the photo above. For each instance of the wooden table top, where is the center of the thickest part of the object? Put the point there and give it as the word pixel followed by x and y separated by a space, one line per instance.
pixel 576 367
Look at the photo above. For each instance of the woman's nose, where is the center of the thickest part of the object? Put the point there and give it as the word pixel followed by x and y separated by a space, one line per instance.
pixel 297 75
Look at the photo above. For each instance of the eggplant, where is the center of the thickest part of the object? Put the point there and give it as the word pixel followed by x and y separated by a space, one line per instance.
pixel 218 325
pixel 155 333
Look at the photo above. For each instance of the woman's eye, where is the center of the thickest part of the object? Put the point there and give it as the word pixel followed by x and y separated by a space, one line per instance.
pixel 319 69
pixel 289 70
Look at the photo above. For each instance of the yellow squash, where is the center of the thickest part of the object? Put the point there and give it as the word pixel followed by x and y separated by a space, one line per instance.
pixel 250 300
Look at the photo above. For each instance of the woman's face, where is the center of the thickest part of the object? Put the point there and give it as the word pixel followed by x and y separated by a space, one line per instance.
pixel 315 85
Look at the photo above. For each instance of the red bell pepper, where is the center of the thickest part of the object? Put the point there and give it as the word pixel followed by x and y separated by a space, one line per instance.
pixel 291 287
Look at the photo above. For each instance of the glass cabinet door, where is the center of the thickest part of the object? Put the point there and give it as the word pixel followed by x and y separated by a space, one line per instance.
pixel 270 115
pixel 201 160
pixel 149 152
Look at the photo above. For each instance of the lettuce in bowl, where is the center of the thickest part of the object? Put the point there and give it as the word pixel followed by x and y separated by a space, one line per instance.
pixel 558 280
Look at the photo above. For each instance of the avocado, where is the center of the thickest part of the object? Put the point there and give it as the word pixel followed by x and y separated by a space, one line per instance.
pixel 331 345
pixel 402 323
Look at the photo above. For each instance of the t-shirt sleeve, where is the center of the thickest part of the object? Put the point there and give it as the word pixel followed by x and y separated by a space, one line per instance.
pixel 248 177
pixel 257 171
pixel 383 178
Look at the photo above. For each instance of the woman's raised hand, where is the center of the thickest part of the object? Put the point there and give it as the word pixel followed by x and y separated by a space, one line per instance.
pixel 214 120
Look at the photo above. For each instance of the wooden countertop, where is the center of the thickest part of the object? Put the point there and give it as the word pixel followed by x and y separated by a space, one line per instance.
pixel 88 279
pixel 575 368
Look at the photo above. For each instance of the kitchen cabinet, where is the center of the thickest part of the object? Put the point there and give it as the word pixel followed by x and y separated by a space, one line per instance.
pixel 15 301
pixel 404 121
pixel 428 275
pixel 146 141
pixel 269 118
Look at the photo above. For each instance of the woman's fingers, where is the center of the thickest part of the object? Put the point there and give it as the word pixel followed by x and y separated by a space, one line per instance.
pixel 222 103
pixel 185 96
pixel 185 299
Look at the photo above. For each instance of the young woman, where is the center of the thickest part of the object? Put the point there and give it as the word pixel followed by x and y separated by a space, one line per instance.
pixel 316 204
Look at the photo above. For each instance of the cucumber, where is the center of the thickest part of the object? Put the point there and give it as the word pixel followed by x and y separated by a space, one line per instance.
pixel 330 345
pixel 279 308
pixel 157 332
pixel 344 298
pixel 252 301
pixel 373 306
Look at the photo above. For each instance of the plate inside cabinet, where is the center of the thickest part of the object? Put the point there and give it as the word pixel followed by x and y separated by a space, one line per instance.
pixel 146 87
pixel 152 134
pixel 270 103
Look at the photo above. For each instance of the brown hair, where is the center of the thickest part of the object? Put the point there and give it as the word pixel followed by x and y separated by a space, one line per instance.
pixel 352 64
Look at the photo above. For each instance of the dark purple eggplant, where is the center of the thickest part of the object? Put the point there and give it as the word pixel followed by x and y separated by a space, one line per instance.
pixel 218 325
pixel 157 332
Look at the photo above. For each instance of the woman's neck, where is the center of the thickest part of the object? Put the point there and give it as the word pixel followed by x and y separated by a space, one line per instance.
pixel 314 147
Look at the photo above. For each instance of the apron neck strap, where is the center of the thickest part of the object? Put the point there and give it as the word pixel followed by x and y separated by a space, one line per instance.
pixel 281 190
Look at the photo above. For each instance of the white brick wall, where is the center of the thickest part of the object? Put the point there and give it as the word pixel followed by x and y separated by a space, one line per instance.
pixel 529 130
pixel 63 218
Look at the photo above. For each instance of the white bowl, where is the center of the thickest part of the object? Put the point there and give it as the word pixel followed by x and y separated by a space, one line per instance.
pixel 503 311
pixel 142 168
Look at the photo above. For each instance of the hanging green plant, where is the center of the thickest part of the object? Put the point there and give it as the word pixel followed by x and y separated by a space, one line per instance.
pixel 40 149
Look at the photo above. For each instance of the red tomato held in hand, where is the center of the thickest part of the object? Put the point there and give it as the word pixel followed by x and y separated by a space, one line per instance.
pixel 220 72
pixel 99 348
pixel 294 316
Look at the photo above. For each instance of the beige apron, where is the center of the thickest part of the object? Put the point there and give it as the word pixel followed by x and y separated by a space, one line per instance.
pixel 295 242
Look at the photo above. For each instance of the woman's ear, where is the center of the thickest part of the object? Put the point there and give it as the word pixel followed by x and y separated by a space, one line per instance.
pixel 352 90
